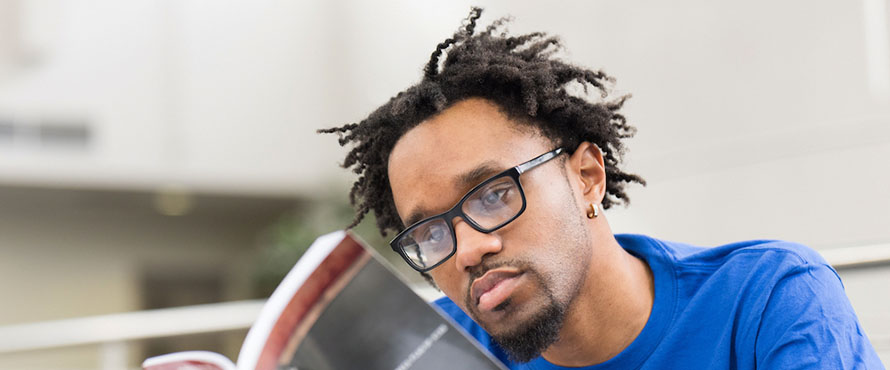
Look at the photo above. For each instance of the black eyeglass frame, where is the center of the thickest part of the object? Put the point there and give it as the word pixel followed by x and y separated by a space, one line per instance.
pixel 457 210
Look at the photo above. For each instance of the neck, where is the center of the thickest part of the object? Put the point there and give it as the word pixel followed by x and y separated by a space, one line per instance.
pixel 609 311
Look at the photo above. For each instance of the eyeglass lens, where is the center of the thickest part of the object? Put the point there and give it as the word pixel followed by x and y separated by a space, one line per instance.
pixel 490 206
pixel 493 204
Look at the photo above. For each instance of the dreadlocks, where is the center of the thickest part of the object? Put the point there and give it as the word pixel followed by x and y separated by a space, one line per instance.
pixel 517 73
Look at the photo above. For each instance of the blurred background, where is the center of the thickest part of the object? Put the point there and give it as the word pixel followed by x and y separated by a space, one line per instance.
pixel 160 171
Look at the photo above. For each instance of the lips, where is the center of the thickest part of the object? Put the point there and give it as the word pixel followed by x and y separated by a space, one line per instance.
pixel 494 287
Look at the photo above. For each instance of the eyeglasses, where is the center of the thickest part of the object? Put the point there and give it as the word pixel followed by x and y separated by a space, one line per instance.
pixel 487 207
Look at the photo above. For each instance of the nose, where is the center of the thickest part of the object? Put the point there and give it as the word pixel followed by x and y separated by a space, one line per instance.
pixel 473 245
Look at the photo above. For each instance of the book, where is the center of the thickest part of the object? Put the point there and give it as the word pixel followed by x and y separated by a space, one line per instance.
pixel 342 307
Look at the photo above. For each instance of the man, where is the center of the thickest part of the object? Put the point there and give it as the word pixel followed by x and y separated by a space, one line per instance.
pixel 494 170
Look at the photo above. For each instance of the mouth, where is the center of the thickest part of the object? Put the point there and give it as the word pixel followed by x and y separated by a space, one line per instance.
pixel 490 291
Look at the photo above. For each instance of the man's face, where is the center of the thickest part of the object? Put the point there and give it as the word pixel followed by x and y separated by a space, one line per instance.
pixel 509 279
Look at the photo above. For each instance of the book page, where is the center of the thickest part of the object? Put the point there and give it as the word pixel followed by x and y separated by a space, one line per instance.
pixel 378 322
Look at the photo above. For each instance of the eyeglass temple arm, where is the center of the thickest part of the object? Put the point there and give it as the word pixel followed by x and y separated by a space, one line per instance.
pixel 538 160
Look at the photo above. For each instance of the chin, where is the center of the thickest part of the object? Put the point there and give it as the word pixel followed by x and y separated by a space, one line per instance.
pixel 531 336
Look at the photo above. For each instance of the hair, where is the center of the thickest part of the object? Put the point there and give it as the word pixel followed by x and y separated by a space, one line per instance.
pixel 517 73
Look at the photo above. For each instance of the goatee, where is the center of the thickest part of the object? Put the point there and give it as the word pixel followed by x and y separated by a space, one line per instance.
pixel 528 341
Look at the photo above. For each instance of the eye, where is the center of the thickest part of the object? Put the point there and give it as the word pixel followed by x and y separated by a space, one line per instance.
pixel 494 196
pixel 432 235
pixel 494 203
pixel 435 234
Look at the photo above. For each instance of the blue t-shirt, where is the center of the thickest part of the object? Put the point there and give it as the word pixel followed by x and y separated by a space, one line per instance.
pixel 749 305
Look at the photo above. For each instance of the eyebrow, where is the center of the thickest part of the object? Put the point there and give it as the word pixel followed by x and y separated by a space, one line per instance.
pixel 482 172
pixel 464 181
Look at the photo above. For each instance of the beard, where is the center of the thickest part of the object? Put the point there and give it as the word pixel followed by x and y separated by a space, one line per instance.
pixel 535 334
pixel 529 340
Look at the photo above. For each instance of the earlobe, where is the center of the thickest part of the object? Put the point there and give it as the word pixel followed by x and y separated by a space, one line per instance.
pixel 587 163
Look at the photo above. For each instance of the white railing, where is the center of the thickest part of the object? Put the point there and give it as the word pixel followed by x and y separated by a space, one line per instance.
pixel 844 258
pixel 112 332
pixel 122 327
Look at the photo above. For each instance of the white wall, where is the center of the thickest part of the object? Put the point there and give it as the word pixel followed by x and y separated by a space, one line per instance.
pixel 227 97
pixel 222 98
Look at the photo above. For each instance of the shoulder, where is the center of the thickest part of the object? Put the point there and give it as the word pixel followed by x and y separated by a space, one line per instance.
pixel 745 253
pixel 774 250
pixel 807 319
pixel 745 256
pixel 769 263
pixel 753 269
pixel 785 303
pixel 790 303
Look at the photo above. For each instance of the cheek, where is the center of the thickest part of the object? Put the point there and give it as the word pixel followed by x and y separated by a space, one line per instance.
pixel 449 282
pixel 546 210
pixel 554 224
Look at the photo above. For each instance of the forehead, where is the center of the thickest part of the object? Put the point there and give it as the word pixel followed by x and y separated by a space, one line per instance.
pixel 427 163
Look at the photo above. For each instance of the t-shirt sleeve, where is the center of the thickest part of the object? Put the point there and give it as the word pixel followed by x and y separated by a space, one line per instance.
pixel 808 323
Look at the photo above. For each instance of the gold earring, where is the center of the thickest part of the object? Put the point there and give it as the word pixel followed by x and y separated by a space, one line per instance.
pixel 593 211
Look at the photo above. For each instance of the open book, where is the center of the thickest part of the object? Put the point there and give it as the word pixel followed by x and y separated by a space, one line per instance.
pixel 340 307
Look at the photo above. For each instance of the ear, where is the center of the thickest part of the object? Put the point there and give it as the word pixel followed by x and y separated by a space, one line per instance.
pixel 586 163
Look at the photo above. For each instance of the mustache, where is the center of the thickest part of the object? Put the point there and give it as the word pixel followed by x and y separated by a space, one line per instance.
pixel 482 268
